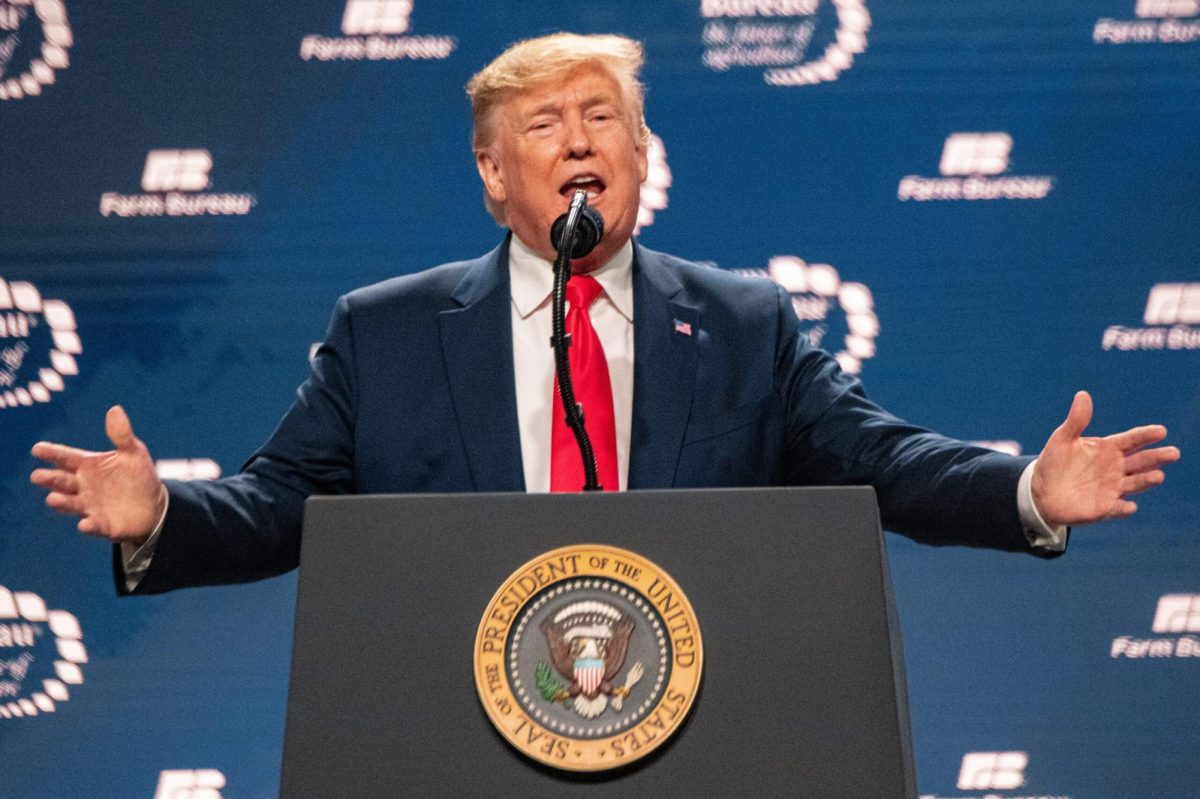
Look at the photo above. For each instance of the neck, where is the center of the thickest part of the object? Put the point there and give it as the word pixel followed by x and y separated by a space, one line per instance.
pixel 597 258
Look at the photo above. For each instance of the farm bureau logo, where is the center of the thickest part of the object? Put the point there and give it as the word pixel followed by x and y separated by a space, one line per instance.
pixel 1175 613
pixel 372 32
pixel 972 168
pixel 187 469
pixel 1171 317
pixel 785 37
pixel 1158 22
pixel 201 783
pixel 835 315
pixel 653 193
pixel 38 345
pixel 992 772
pixel 41 652
pixel 588 658
pixel 173 182
pixel 34 38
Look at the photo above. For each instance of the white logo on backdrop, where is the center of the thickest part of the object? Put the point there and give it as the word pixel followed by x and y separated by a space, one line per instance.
pixel 376 30
pixel 187 469
pixel 376 16
pixel 34 39
pixel 204 783
pixel 653 196
pixel 1172 317
pixel 1156 22
pixel 972 168
pixel 174 183
pixel 33 674
pixel 827 305
pixel 177 170
pixel 38 345
pixel 992 770
pixel 784 37
pixel 1175 613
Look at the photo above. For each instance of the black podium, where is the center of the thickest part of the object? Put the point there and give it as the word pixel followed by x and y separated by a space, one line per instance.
pixel 803 690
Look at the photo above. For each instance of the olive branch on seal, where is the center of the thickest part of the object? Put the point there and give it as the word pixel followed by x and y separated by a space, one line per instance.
pixel 548 685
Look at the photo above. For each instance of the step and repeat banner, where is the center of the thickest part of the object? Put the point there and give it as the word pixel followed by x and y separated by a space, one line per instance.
pixel 979 207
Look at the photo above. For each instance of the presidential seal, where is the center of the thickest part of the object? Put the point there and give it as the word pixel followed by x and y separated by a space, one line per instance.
pixel 588 658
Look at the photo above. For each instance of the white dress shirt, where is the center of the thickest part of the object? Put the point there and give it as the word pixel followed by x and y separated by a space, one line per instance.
pixel 533 359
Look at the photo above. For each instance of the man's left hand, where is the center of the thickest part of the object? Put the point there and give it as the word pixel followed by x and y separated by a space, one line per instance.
pixel 1080 479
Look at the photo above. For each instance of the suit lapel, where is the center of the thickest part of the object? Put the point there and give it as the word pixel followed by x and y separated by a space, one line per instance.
pixel 665 333
pixel 477 348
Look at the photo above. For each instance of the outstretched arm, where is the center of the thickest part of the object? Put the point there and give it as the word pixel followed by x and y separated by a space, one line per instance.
pixel 1080 479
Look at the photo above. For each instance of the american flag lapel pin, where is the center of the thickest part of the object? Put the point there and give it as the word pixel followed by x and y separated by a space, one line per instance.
pixel 683 327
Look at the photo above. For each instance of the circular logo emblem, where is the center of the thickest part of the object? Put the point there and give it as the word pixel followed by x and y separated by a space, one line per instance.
pixel 835 315
pixel 34 39
pixel 38 345
pixel 41 653
pixel 795 42
pixel 588 658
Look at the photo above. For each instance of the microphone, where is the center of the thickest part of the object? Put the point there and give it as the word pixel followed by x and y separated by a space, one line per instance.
pixel 588 231
pixel 574 234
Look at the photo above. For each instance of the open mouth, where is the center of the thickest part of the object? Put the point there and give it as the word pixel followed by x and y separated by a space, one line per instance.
pixel 589 183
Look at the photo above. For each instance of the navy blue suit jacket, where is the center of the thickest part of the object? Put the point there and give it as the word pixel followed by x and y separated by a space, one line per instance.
pixel 412 391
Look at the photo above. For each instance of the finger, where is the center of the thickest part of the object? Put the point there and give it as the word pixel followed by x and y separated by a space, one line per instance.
pixel 1122 508
pixel 1150 459
pixel 1136 483
pixel 1080 415
pixel 1138 437
pixel 55 480
pixel 63 457
pixel 88 525
pixel 69 504
pixel 119 429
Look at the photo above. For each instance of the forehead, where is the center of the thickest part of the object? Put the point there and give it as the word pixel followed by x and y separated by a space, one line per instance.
pixel 587 84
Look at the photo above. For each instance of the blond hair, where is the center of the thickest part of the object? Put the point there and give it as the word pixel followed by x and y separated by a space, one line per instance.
pixel 547 58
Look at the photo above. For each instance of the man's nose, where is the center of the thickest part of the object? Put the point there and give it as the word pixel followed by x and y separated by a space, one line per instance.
pixel 578 143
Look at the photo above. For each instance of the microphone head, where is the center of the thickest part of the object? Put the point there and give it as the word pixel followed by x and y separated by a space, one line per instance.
pixel 588 232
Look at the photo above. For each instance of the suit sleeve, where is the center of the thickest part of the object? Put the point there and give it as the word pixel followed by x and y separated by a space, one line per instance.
pixel 931 488
pixel 247 527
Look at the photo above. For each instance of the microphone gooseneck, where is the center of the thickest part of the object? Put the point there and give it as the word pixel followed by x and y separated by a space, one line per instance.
pixel 574 234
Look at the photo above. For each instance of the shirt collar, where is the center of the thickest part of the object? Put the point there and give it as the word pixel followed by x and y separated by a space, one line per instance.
pixel 532 279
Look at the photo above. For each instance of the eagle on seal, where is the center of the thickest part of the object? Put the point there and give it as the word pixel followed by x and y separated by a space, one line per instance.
pixel 588 642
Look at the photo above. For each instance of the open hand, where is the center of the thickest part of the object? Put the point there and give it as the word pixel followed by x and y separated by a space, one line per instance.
pixel 117 493
pixel 1080 479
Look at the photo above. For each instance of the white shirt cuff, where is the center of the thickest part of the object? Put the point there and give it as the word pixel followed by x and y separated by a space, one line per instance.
pixel 1037 531
pixel 135 560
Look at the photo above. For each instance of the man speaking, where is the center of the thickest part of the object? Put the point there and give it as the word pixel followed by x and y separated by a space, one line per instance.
pixel 443 381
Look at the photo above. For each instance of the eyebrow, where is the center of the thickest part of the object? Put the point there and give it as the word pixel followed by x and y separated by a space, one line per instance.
pixel 591 102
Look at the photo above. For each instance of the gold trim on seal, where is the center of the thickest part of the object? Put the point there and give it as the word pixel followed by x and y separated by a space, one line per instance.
pixel 509 604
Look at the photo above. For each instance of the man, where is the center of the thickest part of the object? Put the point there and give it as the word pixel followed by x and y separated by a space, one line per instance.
pixel 442 381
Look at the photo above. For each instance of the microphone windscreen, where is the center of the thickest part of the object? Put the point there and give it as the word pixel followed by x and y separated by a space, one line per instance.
pixel 588 232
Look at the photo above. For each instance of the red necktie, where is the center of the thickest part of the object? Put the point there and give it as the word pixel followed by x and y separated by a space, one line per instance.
pixel 593 391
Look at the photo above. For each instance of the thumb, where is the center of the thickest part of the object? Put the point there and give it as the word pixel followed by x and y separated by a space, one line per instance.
pixel 119 430
pixel 1080 415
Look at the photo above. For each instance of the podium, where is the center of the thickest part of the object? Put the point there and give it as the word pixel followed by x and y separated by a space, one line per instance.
pixel 803 688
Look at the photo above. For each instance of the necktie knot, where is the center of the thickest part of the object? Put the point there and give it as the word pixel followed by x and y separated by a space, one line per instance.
pixel 582 291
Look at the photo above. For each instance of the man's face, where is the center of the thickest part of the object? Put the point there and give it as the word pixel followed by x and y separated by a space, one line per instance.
pixel 558 137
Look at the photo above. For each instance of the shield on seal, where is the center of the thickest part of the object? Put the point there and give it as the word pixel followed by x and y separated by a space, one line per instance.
pixel 589 673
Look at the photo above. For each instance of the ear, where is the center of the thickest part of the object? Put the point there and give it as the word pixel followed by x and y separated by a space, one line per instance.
pixel 492 175
pixel 643 164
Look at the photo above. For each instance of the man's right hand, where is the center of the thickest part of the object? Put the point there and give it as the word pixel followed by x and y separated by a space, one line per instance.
pixel 117 493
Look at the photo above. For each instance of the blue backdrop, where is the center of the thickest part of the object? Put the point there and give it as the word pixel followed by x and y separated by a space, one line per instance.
pixel 981 206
